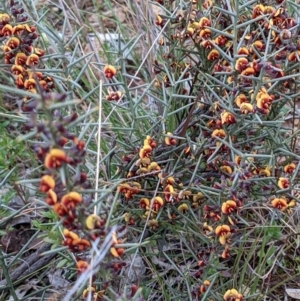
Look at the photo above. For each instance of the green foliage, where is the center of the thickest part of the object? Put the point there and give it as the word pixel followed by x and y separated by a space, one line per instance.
pixel 11 153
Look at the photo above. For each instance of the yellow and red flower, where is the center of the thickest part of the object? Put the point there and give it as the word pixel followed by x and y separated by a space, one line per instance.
pixel 17 69
pixel 4 19
pixel 168 192
pixel 224 233
pixel 20 59
pixel 145 151
pixel 205 33
pixel 232 295
pixel 157 203
pixel 225 254
pixel 189 31
pixel 221 40
pixel 32 60
pixel 93 221
pixel 204 286
pixel 258 45
pixel 241 98
pixel 227 169
pixel 294 56
pixel 144 203
pixel 60 209
pixel 129 189
pixel 203 22
pixel 183 208
pixel 246 108
pixel 283 183
pixel 279 203
pixel 207 44
pixel 74 242
pixel 269 9
pixel 206 3
pixel 207 228
pixel 87 291
pixel 237 160
pixel 13 43
pixel 82 266
pixel 265 172
pixel 213 55
pixel 47 183
pixel 170 180
pixel 218 133
pixel 228 207
pixel 248 71
pixel 289 168
pixel 55 158
pixel 109 71
pixel 243 51
pixel 241 64
pixel 150 141
pixel 159 21
pixel 257 11
pixel 169 140
pixel 263 100
pixel 19 28
pixel 7 30
pixel 227 118
pixel 153 166
pixel 39 52
pixel 29 84
pixel 71 200
pixel 114 96
pixel 116 252
pixel 51 198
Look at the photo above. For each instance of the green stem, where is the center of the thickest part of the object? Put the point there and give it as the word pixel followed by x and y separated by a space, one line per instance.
pixel 7 277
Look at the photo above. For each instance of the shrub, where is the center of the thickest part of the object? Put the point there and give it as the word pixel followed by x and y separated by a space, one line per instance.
pixel 196 159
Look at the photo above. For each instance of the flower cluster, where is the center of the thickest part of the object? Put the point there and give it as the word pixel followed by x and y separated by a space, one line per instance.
pixel 244 64
pixel 60 150
pixel 248 87
pixel 233 295
pixel 21 54
pixel 144 169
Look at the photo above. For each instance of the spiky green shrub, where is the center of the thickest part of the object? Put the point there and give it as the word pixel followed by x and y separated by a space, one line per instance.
pixel 188 172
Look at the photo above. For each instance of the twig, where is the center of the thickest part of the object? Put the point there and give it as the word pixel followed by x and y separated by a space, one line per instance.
pixel 31 264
